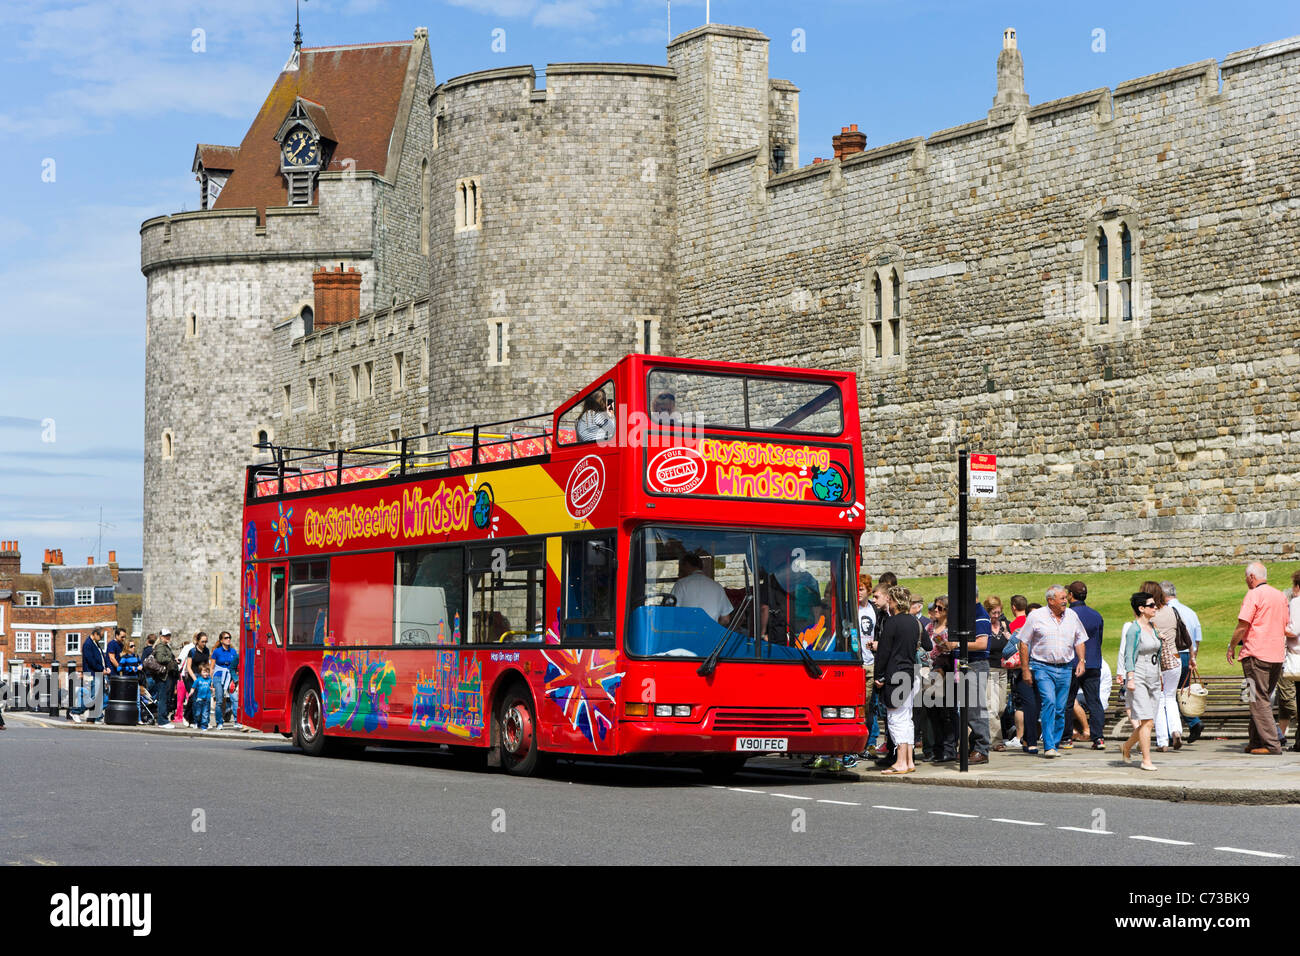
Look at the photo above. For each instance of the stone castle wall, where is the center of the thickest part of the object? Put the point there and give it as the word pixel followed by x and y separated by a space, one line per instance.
pixel 1168 439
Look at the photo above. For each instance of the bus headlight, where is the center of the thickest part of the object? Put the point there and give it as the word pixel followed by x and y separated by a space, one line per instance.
pixel 839 713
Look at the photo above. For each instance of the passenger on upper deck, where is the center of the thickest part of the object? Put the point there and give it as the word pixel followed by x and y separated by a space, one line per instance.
pixel 694 588
pixel 663 410
pixel 596 423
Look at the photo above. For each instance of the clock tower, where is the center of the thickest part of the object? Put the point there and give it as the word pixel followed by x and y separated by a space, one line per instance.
pixel 306 141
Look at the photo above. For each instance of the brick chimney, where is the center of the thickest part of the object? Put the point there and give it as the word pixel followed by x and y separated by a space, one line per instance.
pixel 53 559
pixel 848 141
pixel 112 565
pixel 10 559
pixel 338 295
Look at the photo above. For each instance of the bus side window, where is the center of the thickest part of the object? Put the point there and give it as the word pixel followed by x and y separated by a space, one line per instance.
pixel 429 603
pixel 506 592
pixel 309 600
pixel 590 568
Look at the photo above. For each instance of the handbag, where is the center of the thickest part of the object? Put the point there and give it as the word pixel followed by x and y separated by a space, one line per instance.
pixel 1182 636
pixel 1291 666
pixel 1012 662
pixel 1192 698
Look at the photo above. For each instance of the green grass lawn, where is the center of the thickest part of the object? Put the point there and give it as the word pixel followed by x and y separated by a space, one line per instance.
pixel 1215 594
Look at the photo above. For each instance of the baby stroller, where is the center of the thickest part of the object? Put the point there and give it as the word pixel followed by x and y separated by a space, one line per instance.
pixel 148 707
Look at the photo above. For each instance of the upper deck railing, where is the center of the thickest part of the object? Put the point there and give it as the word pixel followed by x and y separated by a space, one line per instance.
pixel 294 469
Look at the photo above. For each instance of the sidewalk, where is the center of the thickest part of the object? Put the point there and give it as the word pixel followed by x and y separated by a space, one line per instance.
pixel 176 731
pixel 1208 771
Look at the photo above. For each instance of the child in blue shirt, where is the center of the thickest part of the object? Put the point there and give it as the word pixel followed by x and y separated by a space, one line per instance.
pixel 201 696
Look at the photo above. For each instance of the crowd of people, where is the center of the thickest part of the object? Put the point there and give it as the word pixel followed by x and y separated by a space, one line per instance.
pixel 196 686
pixel 1040 683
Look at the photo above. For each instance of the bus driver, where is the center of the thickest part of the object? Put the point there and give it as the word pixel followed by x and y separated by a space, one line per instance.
pixel 694 588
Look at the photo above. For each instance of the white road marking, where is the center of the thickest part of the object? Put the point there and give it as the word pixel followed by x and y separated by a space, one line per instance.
pixel 1233 849
pixel 946 813
pixel 743 790
pixel 881 806
pixel 1088 830
pixel 789 796
pixel 842 803
pixel 1023 823
pixel 1163 840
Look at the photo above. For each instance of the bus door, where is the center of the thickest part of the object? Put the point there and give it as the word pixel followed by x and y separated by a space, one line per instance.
pixel 269 666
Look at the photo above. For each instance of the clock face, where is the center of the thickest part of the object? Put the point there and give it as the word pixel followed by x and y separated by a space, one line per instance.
pixel 301 149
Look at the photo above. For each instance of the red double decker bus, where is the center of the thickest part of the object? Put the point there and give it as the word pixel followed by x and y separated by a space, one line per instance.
pixel 666 565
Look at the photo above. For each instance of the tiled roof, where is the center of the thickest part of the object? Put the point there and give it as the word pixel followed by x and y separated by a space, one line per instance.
pixel 77 576
pixel 360 87
pixel 215 158
pixel 130 581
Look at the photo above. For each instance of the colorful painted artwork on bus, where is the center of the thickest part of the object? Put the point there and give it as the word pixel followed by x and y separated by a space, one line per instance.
pixel 583 684
pixel 283 530
pixel 451 698
pixel 252 623
pixel 357 688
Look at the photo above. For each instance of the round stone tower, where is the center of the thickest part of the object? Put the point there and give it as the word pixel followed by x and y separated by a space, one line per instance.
pixel 551 232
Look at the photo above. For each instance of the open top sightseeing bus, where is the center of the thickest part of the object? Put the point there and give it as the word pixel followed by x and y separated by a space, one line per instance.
pixel 665 565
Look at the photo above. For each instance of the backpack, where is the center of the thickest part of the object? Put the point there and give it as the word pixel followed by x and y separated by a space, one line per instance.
pixel 154 668
pixel 1183 640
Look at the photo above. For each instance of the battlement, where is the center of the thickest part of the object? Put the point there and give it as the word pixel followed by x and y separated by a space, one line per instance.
pixel 337 227
pixel 520 83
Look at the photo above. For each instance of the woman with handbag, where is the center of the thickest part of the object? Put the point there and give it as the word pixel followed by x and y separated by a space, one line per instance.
pixel 900 636
pixel 1142 676
pixel 999 634
pixel 935 700
pixel 1169 725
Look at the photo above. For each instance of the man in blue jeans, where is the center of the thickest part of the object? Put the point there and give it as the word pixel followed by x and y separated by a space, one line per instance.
pixel 1053 651
pixel 94 666
pixel 1091 681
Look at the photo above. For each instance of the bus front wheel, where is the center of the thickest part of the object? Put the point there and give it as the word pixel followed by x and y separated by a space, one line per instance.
pixel 517 724
pixel 309 721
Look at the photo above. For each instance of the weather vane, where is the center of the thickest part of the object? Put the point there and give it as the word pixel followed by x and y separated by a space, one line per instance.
pixel 297 25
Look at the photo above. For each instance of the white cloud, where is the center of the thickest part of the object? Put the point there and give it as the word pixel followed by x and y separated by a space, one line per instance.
pixel 569 13
pixel 497 8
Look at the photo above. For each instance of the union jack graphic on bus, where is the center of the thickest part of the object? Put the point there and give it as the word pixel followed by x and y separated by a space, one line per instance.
pixel 583 683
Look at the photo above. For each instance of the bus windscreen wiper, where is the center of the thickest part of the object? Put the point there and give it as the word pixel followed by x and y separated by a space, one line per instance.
pixel 711 662
pixel 809 664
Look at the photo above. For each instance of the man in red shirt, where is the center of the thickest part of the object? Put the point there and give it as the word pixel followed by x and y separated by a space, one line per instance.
pixel 1261 624
pixel 1020 608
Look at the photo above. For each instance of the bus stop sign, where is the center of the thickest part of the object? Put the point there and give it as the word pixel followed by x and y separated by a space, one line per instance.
pixel 984 476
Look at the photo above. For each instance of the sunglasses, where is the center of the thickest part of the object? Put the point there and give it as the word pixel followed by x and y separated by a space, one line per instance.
pixel 1151 605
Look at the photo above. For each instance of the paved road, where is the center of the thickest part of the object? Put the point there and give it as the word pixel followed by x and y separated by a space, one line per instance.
pixel 75 797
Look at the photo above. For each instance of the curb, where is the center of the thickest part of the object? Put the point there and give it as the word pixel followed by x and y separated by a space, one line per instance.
pixel 1172 792
pixel 178 731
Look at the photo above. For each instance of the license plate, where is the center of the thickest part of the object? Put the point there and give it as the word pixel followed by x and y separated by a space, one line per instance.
pixel 757 744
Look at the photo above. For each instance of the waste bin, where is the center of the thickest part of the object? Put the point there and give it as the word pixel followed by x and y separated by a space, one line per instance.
pixel 123 700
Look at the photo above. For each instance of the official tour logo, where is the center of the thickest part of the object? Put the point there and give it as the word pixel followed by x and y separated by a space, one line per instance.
pixel 585 486
pixel 676 471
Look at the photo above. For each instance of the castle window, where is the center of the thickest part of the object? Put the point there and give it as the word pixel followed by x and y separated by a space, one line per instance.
pixel 216 591
pixel 308 316
pixel 884 337
pixel 368 380
pixel 333 392
pixel 167 444
pixel 288 405
pixel 1112 266
pixel 354 384
pixel 1126 273
pixel 468 208
pixel 311 395
pixel 424 358
pixel 896 315
pixel 498 342
pixel 646 335
pixel 263 437
pixel 192 326
pixel 877 322
pixel 1103 277
pixel 399 372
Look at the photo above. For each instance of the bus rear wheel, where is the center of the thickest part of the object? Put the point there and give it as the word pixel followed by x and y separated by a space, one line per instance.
pixel 309 721
pixel 517 726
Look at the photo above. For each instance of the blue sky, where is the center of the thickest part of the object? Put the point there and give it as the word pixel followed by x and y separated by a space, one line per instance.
pixel 107 99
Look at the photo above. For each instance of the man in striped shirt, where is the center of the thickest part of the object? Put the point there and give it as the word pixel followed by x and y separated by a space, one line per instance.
pixel 1055 640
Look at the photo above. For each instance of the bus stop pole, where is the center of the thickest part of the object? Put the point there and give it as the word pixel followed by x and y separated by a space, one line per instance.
pixel 964 613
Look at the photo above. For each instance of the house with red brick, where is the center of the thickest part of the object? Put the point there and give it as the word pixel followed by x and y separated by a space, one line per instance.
pixel 45 617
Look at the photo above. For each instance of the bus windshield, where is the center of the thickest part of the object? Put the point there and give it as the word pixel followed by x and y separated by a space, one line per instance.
pixel 751 402
pixel 693 588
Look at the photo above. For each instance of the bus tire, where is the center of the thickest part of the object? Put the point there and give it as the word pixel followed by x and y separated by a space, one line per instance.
pixel 309 721
pixel 517 731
